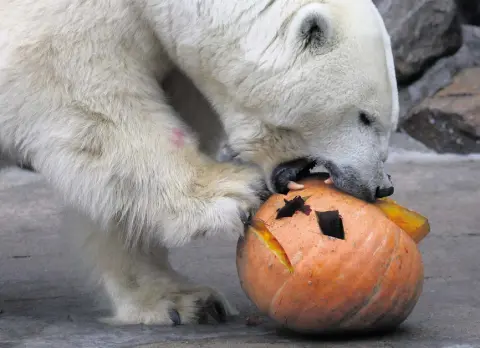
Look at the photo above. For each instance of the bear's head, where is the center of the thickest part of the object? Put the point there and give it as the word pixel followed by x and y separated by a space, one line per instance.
pixel 304 82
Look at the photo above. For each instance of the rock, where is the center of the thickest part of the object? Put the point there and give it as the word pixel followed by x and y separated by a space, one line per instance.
pixel 470 11
pixel 471 37
pixel 449 122
pixel 441 74
pixel 422 31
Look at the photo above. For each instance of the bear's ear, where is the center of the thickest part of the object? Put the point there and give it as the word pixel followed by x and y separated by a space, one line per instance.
pixel 313 27
pixel 314 31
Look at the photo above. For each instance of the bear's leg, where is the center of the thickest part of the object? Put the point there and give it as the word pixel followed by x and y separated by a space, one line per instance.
pixel 142 286
pixel 125 160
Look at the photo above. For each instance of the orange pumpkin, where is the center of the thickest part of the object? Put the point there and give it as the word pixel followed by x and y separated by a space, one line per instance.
pixel 311 282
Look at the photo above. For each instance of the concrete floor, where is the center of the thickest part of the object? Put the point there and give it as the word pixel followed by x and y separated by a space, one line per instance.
pixel 48 302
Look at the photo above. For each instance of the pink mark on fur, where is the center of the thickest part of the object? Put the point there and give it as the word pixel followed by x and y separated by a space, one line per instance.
pixel 178 137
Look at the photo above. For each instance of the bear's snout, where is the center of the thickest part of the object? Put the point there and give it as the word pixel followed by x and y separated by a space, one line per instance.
pixel 386 189
pixel 351 181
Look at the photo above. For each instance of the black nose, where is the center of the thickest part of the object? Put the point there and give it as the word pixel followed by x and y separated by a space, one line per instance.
pixel 384 192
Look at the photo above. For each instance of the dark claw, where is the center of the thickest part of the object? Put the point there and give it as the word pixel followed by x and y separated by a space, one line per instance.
pixel 211 309
pixel 215 309
pixel 174 317
pixel 263 193
pixel 222 313
pixel 202 317
pixel 246 217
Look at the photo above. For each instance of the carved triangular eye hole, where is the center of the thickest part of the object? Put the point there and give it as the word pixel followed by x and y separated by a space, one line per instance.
pixel 331 224
pixel 292 206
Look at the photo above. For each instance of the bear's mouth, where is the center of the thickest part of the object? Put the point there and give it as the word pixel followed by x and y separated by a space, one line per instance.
pixel 294 170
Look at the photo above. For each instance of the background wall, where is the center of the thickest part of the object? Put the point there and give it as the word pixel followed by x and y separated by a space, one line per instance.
pixel 437 56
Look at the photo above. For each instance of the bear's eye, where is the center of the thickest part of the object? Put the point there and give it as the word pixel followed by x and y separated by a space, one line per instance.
pixel 365 119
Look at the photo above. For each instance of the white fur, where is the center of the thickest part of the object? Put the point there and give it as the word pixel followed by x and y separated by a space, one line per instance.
pixel 79 99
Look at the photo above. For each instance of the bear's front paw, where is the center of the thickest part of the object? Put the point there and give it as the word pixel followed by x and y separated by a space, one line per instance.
pixel 234 193
pixel 221 202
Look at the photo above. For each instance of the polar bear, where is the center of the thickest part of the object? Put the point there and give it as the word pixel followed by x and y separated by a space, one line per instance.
pixel 294 83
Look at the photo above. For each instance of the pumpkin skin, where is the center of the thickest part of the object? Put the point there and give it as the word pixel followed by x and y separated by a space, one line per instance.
pixel 312 283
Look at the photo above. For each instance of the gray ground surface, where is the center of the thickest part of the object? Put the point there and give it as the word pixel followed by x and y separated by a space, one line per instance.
pixel 47 302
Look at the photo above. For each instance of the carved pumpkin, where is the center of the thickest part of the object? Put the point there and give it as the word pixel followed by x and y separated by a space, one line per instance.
pixel 368 278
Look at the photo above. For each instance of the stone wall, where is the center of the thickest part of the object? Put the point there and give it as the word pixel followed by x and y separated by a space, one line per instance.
pixel 436 47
